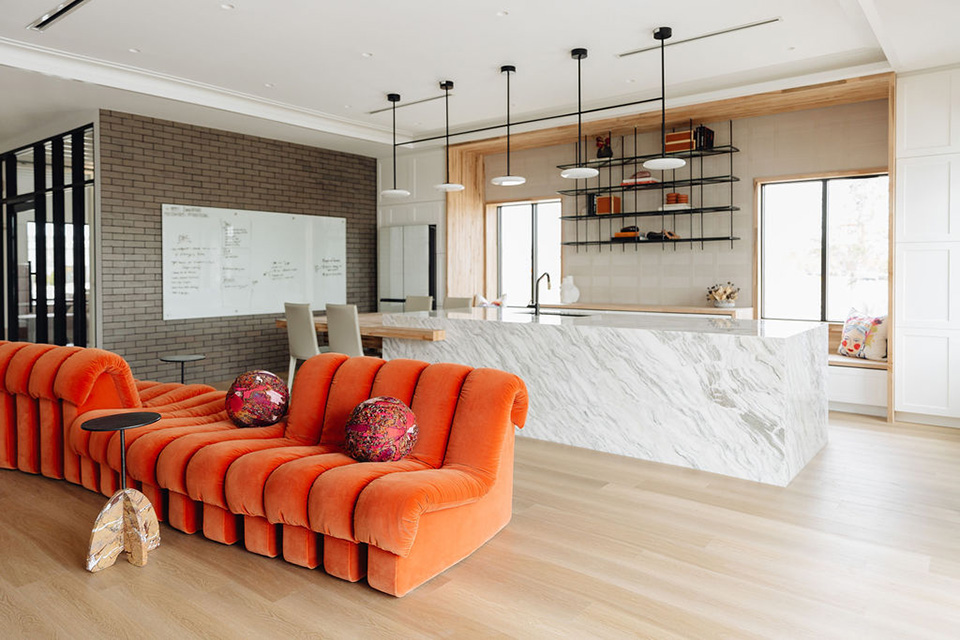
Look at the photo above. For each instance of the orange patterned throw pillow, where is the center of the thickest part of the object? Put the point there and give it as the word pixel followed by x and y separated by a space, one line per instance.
pixel 864 337
pixel 380 430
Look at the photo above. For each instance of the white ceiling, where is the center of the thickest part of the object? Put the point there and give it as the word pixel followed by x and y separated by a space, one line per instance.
pixel 203 64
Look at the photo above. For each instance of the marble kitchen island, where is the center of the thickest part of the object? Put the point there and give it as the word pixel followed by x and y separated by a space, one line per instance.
pixel 743 398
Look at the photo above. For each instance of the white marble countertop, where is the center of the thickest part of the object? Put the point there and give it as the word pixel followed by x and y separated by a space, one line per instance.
pixel 672 322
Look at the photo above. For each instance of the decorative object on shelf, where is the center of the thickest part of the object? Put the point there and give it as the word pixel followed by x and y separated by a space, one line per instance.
pixel 394 98
pixel 640 177
pixel 663 235
pixel 381 429
pixel 447 186
pixel 569 292
pixel 631 231
pixel 679 141
pixel 608 204
pixel 703 138
pixel 508 180
pixel 257 399
pixel 723 295
pixel 579 172
pixel 663 163
pixel 603 147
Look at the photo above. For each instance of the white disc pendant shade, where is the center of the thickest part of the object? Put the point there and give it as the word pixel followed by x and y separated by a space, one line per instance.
pixel 447 187
pixel 508 180
pixel 394 193
pixel 579 172
pixel 664 162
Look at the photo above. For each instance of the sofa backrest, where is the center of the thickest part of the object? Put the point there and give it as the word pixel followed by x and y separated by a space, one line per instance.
pixel 96 379
pixel 463 414
pixel 491 403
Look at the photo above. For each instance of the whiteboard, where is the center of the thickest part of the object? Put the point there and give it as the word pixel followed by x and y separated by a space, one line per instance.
pixel 231 262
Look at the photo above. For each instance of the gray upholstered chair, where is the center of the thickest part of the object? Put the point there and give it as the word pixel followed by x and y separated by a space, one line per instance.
pixel 418 303
pixel 343 329
pixel 301 335
pixel 454 304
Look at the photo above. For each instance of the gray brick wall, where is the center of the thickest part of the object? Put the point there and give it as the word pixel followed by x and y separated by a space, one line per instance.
pixel 146 162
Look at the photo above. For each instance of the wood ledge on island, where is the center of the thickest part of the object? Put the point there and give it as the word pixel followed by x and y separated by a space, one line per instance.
pixel 740 313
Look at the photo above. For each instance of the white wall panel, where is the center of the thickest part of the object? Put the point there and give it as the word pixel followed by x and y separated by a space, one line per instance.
pixel 928 367
pixel 928 199
pixel 928 113
pixel 852 385
pixel 927 279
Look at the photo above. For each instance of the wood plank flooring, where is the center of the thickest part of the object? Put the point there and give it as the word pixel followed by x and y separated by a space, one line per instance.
pixel 865 543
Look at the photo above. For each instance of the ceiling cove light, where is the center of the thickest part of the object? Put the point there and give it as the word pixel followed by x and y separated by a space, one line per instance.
pixel 58 12
pixel 664 162
pixel 394 98
pixel 508 180
pixel 446 85
pixel 579 172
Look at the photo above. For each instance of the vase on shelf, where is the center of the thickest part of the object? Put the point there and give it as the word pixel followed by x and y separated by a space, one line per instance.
pixel 724 304
pixel 569 293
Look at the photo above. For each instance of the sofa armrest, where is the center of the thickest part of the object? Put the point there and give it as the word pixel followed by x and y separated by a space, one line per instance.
pixel 389 509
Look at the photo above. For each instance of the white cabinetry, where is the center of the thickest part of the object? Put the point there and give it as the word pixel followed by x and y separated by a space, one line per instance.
pixel 927 287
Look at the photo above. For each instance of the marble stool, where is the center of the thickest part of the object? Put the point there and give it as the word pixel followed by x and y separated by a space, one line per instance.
pixel 183 359
pixel 128 522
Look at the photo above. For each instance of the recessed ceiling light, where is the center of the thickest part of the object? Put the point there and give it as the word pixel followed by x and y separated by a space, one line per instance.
pixel 133 50
pixel 346 106
pixel 367 54
pixel 502 14
pixel 268 85
pixel 227 7
pixel 630 80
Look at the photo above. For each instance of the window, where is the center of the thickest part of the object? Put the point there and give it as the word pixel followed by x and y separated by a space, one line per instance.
pixel 528 245
pixel 824 248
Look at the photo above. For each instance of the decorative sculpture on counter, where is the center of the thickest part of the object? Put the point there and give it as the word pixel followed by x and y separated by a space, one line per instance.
pixel 569 293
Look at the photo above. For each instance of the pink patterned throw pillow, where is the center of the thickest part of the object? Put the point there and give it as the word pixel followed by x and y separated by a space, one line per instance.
pixel 257 399
pixel 864 337
pixel 380 429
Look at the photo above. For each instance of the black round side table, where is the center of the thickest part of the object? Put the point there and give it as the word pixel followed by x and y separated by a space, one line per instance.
pixel 182 358
pixel 128 522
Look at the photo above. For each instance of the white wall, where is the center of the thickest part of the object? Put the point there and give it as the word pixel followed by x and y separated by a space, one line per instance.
pixel 814 141
pixel 927 289
pixel 418 173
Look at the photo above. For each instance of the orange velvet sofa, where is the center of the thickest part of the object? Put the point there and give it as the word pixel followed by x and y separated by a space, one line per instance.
pixel 287 489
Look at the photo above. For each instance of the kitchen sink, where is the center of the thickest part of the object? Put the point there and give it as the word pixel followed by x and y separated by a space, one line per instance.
pixel 570 314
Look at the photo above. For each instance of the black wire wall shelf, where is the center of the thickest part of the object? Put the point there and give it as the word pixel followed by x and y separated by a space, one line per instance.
pixel 668 184
pixel 600 163
pixel 623 241
pixel 651 213
pixel 695 183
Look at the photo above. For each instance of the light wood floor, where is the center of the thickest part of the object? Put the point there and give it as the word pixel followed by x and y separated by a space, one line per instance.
pixel 865 543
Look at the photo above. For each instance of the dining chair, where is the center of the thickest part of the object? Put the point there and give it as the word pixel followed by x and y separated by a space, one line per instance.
pixel 343 329
pixel 418 303
pixel 301 335
pixel 453 304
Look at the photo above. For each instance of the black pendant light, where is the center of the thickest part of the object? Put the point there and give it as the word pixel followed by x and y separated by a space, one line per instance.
pixel 508 180
pixel 394 98
pixel 579 172
pixel 448 186
pixel 664 162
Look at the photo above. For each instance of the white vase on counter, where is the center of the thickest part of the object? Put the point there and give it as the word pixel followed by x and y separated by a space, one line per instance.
pixel 569 293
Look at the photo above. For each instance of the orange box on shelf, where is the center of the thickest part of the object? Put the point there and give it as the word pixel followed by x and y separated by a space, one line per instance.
pixel 679 136
pixel 608 204
pixel 680 145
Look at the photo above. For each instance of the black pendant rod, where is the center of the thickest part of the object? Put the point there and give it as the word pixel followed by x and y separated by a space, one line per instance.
pixel 507 69
pixel 446 85
pixel 662 34
pixel 579 54
pixel 394 98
